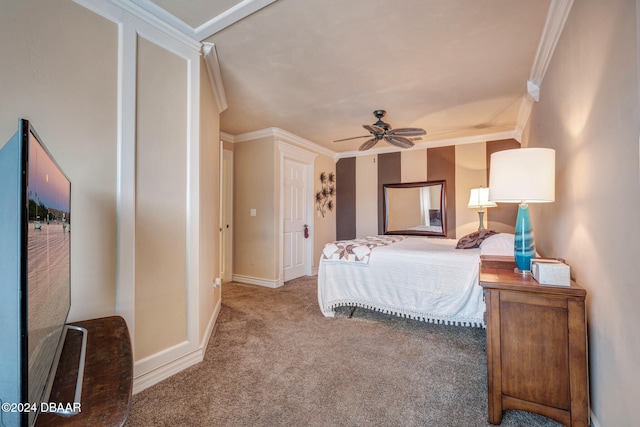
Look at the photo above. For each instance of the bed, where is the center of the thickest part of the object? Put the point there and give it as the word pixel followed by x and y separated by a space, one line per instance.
pixel 421 278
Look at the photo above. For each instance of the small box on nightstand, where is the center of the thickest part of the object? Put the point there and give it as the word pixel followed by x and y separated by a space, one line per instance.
pixel 550 272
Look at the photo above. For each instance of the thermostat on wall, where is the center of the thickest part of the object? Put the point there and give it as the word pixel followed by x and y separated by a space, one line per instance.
pixel 550 272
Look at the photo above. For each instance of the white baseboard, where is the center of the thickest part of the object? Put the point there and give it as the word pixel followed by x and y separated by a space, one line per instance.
pixel 594 421
pixel 163 372
pixel 212 323
pixel 257 281
pixel 185 360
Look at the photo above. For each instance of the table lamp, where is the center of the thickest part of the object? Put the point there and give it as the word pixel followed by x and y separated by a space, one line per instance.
pixel 523 175
pixel 479 199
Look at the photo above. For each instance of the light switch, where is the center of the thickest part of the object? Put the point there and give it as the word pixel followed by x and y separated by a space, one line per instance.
pixel 253 212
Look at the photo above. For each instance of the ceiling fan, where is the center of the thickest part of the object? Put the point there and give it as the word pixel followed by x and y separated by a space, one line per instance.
pixel 380 130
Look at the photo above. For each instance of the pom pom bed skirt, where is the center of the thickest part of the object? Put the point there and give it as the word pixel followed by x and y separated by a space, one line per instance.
pixel 421 278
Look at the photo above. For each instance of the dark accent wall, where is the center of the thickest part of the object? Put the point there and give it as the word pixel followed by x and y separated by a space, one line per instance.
pixel 441 164
pixel 389 172
pixel 346 198
pixel 505 213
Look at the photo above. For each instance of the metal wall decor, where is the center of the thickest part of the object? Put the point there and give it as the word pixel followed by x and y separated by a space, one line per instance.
pixel 324 196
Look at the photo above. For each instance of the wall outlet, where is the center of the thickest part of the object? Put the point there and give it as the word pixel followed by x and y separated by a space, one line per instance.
pixel 217 282
pixel 253 212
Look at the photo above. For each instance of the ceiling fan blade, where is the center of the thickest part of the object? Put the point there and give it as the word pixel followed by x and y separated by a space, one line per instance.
pixel 370 143
pixel 399 141
pixel 407 132
pixel 374 129
pixel 355 137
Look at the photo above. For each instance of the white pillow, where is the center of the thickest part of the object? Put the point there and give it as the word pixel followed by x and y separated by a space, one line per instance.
pixel 498 244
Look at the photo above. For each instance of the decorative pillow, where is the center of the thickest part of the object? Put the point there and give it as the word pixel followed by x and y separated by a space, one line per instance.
pixel 498 244
pixel 474 240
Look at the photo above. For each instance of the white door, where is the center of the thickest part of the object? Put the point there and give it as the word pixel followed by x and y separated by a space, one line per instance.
pixel 294 200
pixel 226 190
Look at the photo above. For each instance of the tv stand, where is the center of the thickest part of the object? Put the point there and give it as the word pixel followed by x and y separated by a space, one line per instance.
pixel 108 375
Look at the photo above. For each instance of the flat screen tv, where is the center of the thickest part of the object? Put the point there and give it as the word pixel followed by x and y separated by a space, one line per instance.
pixel 35 279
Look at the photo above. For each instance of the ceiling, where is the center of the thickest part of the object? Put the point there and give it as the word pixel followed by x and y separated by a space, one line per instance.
pixel 319 68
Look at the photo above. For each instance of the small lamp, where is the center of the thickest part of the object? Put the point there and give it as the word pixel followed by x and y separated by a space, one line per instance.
pixel 523 175
pixel 479 199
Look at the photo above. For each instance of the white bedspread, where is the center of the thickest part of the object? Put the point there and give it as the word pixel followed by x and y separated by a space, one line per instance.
pixel 419 277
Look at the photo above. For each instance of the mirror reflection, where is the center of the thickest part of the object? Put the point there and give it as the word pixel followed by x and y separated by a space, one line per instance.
pixel 416 208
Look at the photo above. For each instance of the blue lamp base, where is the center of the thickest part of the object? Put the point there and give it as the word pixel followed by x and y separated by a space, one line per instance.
pixel 524 246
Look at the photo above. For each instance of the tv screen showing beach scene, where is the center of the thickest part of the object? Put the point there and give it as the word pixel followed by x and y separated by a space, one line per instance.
pixel 48 263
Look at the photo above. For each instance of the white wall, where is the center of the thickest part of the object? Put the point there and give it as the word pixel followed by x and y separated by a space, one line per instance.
pixel 210 298
pixel 160 200
pixel 324 226
pixel 257 240
pixel 589 113
pixel 76 74
pixel 254 187
pixel 68 90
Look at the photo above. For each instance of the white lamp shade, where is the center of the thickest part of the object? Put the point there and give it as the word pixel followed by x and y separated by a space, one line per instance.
pixel 523 175
pixel 479 198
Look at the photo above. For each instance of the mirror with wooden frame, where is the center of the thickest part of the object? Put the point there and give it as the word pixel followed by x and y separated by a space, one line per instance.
pixel 415 208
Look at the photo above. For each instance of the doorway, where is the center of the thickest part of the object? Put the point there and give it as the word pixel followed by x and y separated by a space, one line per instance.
pixel 226 215
pixel 294 219
pixel 296 211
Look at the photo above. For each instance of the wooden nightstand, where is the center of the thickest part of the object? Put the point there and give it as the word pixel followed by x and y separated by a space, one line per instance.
pixel 536 345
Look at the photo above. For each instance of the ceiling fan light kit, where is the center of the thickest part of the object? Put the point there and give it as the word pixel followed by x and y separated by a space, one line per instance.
pixel 381 130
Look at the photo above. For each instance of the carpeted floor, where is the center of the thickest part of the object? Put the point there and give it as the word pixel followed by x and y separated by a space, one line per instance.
pixel 274 360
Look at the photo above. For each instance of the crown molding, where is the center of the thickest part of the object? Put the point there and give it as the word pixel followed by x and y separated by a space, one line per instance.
pixel 291 138
pixel 296 152
pixel 227 137
pixel 154 21
pixel 533 90
pixel 256 134
pixel 556 18
pixel 155 10
pixel 523 115
pixel 209 28
pixel 288 137
pixel 213 70
pixel 283 136
pixel 230 17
